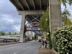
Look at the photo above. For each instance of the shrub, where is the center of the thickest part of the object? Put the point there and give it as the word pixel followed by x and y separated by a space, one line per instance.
pixel 62 41
pixel 2 33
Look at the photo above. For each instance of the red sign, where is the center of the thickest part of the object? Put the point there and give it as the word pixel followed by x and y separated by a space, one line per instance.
pixel 35 23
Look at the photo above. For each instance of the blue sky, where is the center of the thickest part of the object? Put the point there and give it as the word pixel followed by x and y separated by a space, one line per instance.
pixel 10 20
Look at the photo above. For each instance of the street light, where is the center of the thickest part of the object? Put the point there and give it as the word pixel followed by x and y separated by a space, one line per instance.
pixel 49 36
pixel 46 19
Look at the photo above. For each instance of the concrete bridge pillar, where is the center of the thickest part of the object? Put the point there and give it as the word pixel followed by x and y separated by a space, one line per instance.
pixel 55 15
pixel 22 27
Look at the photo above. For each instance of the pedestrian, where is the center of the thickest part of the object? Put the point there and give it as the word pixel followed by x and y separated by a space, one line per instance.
pixel 44 42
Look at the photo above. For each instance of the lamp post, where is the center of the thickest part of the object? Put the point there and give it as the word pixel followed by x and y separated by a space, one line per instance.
pixel 49 35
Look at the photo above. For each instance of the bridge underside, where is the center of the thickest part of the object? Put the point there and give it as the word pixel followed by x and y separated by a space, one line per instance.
pixel 33 23
pixel 33 18
pixel 38 7
pixel 30 4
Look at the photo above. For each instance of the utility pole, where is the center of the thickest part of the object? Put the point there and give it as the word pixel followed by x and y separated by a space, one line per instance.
pixel 49 35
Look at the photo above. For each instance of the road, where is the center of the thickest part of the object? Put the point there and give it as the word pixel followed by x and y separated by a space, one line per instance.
pixel 31 47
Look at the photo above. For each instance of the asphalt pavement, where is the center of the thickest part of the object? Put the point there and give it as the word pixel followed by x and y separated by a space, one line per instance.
pixel 31 47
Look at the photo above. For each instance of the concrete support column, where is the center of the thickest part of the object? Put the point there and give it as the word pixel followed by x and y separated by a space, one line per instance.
pixel 55 15
pixel 22 27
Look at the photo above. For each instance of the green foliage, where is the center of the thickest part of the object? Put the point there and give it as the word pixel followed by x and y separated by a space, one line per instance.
pixel 9 33
pixel 67 21
pixel 44 25
pixel 62 40
pixel 15 33
pixel 65 18
pixel 2 33
pixel 66 12
pixel 44 21
pixel 65 2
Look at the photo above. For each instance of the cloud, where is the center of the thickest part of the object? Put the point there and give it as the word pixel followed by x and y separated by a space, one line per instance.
pixel 9 23
pixel 17 27
pixel 9 18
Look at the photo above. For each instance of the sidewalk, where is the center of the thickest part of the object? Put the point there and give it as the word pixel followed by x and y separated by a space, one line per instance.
pixel 46 51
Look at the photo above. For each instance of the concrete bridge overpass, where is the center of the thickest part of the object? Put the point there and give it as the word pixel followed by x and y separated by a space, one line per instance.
pixel 38 7
pixel 30 4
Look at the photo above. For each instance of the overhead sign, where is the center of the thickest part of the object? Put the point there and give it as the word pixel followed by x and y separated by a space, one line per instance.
pixel 33 28
pixel 35 23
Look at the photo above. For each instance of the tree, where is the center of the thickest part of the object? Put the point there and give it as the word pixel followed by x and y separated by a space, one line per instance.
pixel 2 33
pixel 65 18
pixel 9 33
pixel 15 33
pixel 44 21
pixel 44 25
pixel 66 2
